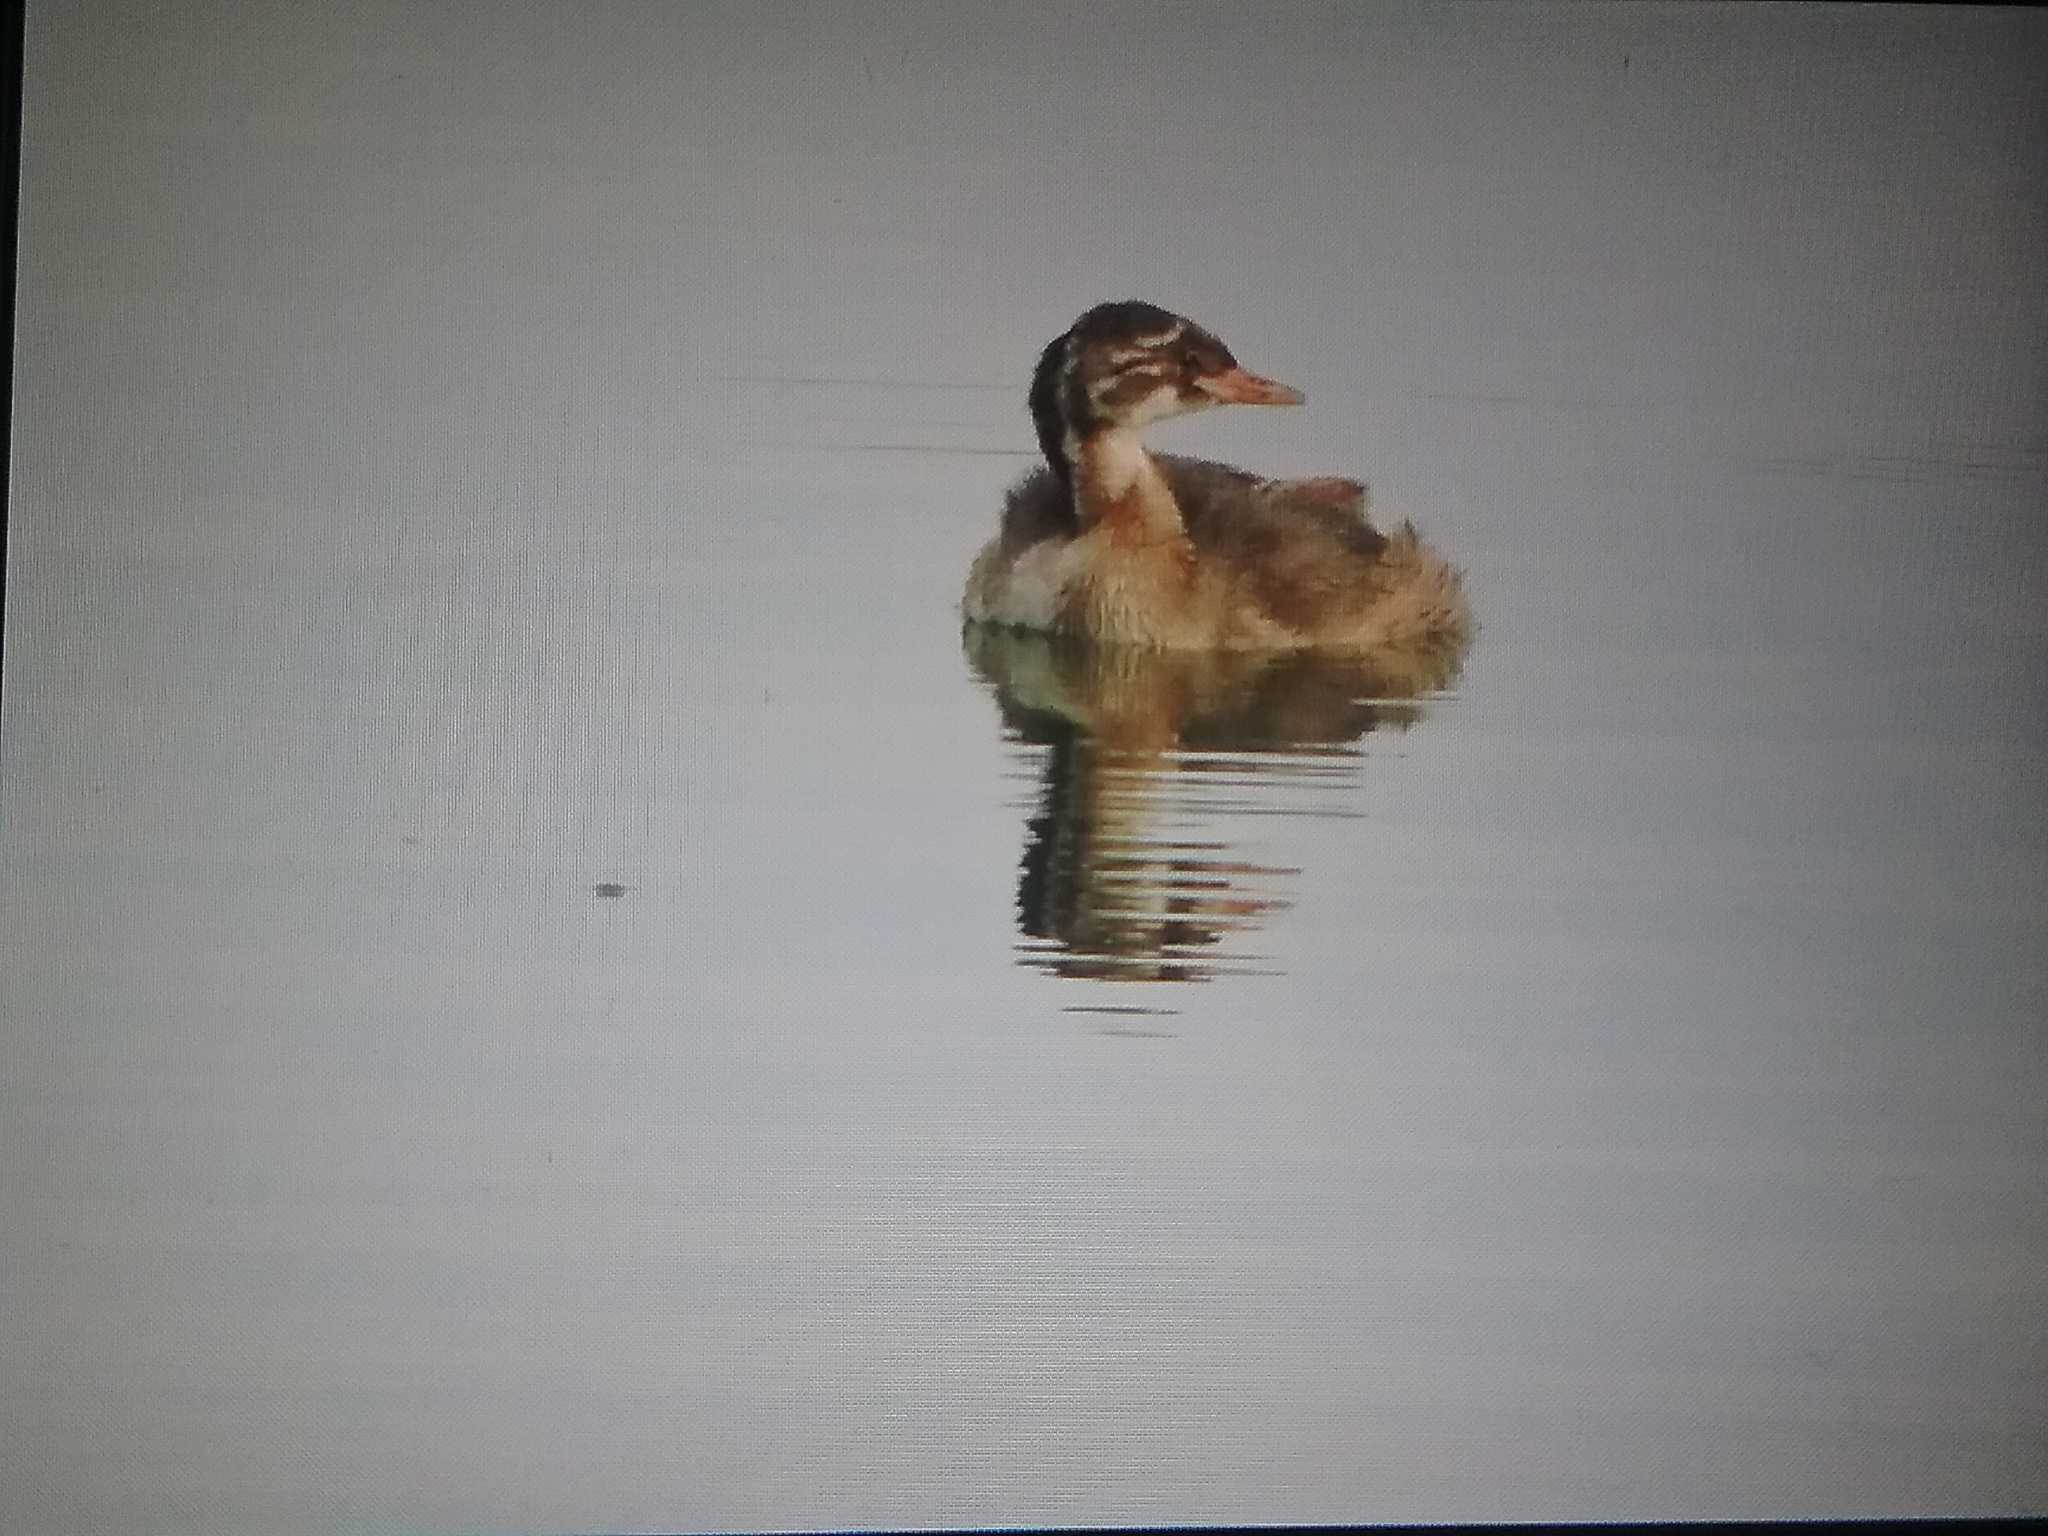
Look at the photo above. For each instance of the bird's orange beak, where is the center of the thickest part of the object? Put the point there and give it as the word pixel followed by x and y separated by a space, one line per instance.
pixel 1240 388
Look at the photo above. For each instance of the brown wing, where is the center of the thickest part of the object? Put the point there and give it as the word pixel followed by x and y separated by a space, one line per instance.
pixel 1226 507
pixel 1303 547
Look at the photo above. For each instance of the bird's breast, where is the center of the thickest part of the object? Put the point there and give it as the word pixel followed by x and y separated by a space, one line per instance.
pixel 1124 590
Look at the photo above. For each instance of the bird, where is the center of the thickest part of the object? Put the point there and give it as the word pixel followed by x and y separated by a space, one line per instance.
pixel 1109 543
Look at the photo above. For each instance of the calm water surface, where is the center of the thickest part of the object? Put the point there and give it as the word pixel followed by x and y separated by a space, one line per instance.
pixel 549 986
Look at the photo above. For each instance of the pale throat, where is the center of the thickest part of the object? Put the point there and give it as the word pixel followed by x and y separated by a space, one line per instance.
pixel 1118 480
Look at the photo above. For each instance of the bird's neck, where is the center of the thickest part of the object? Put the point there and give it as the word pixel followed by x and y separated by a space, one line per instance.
pixel 1120 488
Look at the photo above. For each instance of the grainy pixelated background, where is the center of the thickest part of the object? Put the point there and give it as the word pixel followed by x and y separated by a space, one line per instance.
pixel 469 455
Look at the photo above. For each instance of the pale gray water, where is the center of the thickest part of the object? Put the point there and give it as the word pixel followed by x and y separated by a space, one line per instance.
pixel 467 458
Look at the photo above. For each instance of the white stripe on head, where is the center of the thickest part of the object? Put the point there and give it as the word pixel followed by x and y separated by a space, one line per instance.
pixel 1139 346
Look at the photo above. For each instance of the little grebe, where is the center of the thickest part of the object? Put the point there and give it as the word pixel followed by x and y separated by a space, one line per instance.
pixel 1111 543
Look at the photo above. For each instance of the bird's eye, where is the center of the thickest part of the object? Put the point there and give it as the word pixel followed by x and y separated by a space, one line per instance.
pixel 1191 362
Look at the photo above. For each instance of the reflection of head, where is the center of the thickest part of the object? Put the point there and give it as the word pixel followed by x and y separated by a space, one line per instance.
pixel 1139 740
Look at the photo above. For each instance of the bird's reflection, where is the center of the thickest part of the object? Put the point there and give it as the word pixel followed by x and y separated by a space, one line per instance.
pixel 1142 753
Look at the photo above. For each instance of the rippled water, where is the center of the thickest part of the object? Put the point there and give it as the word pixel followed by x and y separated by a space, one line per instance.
pixel 1141 763
pixel 549 985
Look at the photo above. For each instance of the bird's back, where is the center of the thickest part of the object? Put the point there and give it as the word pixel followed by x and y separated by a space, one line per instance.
pixel 1225 509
